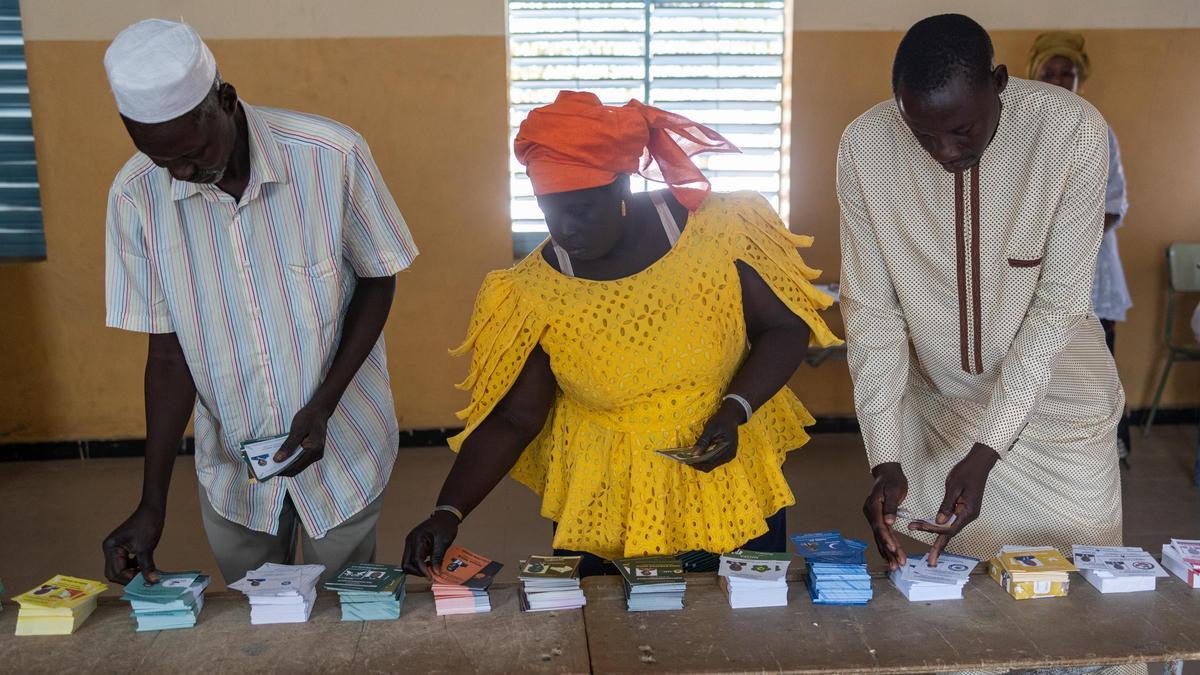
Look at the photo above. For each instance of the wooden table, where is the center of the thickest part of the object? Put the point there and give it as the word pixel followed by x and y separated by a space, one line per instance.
pixel 224 641
pixel 987 630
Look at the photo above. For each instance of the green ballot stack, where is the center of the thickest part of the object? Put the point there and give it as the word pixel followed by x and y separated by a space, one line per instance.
pixel 174 602
pixel 369 592
pixel 653 583
pixel 551 582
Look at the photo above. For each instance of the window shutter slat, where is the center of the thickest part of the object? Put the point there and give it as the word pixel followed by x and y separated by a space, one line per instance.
pixel 21 233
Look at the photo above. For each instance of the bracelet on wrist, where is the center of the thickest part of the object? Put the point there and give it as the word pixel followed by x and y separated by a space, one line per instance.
pixel 449 509
pixel 746 407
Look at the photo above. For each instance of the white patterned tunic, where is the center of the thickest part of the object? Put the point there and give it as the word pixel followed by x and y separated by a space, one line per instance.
pixel 967 300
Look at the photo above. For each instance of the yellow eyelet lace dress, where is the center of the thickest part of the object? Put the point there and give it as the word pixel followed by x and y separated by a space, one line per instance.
pixel 642 363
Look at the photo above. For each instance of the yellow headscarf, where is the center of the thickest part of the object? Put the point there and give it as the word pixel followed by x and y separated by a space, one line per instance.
pixel 1059 43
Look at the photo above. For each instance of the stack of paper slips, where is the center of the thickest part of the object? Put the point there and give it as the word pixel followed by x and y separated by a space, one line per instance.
pixel 921 583
pixel 174 602
pixel 836 568
pixel 369 592
pixel 551 582
pixel 280 593
pixel 652 583
pixel 460 587
pixel 1118 569
pixel 755 579
pixel 1032 572
pixel 58 606
pixel 1182 557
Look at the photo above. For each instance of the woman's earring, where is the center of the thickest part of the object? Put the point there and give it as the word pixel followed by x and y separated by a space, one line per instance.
pixel 623 213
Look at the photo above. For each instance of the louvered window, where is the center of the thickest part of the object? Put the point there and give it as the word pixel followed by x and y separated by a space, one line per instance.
pixel 719 62
pixel 21 235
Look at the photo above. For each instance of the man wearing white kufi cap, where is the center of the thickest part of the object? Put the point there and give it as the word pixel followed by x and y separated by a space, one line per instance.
pixel 258 247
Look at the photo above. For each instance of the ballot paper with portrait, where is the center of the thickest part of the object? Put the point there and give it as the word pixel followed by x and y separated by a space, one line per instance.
pixel 1118 569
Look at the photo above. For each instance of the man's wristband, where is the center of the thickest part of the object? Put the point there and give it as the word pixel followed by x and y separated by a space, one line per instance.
pixel 449 509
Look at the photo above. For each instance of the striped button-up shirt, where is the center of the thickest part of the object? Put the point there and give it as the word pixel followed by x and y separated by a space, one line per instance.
pixel 256 291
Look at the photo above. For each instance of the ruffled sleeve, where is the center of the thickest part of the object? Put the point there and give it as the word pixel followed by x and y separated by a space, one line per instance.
pixel 764 243
pixel 503 332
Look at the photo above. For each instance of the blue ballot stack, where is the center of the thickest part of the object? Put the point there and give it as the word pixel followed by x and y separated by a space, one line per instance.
pixel 174 602
pixel 836 568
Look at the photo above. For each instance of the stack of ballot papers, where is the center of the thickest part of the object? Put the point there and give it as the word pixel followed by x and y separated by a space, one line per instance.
pixel 460 587
pixel 1118 569
pixel 550 583
pixel 1182 557
pixel 174 602
pixel 58 606
pixel 754 579
pixel 1028 572
pixel 369 591
pixel 280 593
pixel 836 568
pixel 652 583
pixel 921 583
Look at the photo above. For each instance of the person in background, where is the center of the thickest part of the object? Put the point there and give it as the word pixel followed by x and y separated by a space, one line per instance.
pixel 1059 58
pixel 258 247
pixel 647 321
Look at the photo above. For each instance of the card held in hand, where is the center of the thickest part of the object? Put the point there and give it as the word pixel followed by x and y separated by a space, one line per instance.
pixel 259 455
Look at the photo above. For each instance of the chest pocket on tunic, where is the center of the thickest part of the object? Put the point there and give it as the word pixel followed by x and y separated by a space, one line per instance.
pixel 1025 262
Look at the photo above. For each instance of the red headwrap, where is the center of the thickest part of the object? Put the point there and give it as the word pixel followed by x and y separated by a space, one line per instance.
pixel 577 142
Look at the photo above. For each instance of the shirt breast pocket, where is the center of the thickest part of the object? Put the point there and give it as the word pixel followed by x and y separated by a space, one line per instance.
pixel 315 298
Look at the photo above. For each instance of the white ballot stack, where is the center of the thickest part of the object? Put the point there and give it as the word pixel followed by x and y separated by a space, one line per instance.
pixel 1182 558
pixel 1117 569
pixel 280 593
pixel 754 579
pixel 919 582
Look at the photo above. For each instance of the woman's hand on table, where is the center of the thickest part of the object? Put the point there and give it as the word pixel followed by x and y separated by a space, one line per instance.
pixel 425 547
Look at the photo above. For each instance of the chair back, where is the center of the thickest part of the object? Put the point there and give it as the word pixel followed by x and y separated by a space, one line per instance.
pixel 1183 262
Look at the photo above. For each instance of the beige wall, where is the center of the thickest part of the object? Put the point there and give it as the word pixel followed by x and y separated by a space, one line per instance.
pixel 898 15
pixel 430 97
pixel 258 19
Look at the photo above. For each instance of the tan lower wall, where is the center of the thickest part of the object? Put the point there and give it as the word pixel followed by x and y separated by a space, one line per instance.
pixel 434 112
pixel 1144 83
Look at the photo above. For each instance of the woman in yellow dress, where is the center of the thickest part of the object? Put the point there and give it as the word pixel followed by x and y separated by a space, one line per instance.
pixel 647 321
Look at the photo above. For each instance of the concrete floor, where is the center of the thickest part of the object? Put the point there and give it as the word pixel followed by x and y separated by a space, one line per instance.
pixel 54 514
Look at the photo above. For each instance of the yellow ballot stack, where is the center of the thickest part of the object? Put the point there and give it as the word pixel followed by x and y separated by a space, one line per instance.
pixel 58 606
pixel 1032 572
